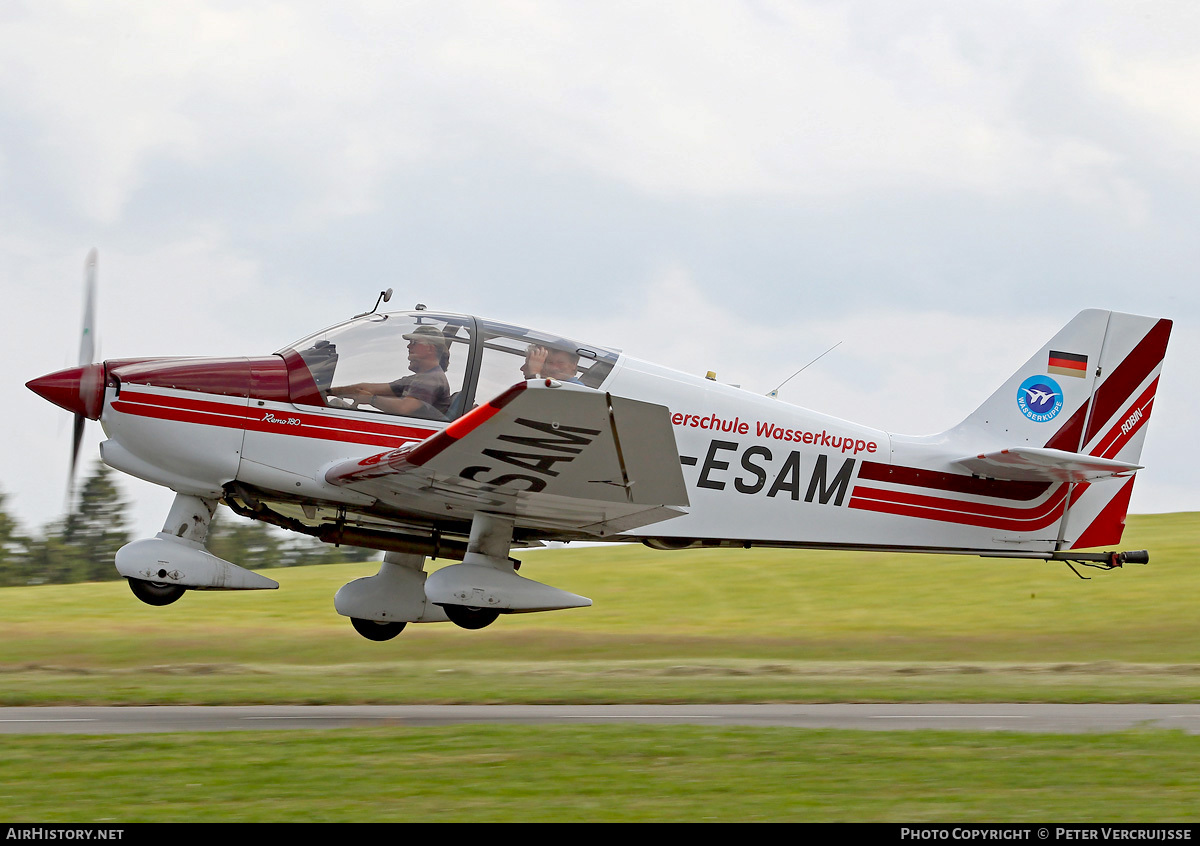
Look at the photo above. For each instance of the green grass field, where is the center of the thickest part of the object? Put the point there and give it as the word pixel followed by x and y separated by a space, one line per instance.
pixel 691 626
pixel 696 625
pixel 601 773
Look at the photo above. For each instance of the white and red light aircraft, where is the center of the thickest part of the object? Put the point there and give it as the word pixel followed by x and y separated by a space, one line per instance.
pixel 486 447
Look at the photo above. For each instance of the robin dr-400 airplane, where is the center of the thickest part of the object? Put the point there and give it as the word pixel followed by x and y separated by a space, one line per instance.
pixel 430 435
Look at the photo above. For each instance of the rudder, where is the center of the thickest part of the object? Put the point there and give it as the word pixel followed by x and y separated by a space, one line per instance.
pixel 1114 423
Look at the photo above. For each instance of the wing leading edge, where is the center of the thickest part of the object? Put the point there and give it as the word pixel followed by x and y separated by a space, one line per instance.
pixel 549 455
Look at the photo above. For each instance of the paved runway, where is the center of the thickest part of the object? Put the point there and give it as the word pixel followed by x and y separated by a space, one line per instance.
pixel 975 717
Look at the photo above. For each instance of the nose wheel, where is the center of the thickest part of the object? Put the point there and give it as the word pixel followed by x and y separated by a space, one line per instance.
pixel 155 593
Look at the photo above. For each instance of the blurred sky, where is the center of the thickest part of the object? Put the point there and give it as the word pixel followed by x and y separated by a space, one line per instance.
pixel 733 186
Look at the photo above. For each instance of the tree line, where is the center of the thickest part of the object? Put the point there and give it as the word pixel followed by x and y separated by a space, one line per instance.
pixel 81 547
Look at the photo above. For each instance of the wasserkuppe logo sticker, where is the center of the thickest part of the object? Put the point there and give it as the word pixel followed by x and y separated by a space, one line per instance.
pixel 1040 398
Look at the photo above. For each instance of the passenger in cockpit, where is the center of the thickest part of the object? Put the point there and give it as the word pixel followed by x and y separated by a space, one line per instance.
pixel 424 394
pixel 551 363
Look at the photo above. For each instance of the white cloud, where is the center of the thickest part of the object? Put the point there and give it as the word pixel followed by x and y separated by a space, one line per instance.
pixel 773 99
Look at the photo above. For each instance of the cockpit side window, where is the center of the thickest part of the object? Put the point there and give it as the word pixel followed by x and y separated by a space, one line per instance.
pixel 512 354
pixel 411 365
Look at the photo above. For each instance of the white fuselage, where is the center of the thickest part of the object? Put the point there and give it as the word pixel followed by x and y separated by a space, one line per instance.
pixel 756 469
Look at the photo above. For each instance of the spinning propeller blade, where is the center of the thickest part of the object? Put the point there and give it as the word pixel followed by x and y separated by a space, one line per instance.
pixel 87 348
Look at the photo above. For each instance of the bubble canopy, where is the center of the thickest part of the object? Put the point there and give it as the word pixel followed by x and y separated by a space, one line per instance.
pixel 442 364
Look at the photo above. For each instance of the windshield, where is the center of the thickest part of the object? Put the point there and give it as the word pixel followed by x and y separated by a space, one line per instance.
pixel 413 365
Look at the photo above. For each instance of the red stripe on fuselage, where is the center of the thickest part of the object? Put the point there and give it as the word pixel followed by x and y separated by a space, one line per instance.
pixel 255 418
pixel 873 471
pixel 951 511
pixel 251 411
pixel 944 504
pixel 926 505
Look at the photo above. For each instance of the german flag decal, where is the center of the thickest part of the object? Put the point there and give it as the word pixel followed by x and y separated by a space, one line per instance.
pixel 1067 364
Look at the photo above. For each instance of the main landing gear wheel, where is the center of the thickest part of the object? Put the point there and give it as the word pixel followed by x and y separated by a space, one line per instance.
pixel 469 617
pixel 376 630
pixel 155 593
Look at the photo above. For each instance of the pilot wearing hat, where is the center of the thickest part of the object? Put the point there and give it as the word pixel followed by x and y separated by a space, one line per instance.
pixel 426 393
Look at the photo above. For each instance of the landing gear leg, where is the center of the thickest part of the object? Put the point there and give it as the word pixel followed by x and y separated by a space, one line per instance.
pixel 491 539
pixel 188 519
pixel 379 606
pixel 485 585
pixel 161 568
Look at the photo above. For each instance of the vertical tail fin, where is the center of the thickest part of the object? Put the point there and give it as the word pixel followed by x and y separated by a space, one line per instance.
pixel 1088 392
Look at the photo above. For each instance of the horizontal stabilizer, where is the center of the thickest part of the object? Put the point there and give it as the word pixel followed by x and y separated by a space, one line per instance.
pixel 1031 464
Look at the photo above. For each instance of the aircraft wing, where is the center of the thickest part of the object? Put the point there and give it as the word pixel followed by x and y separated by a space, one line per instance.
pixel 549 455
pixel 1045 465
